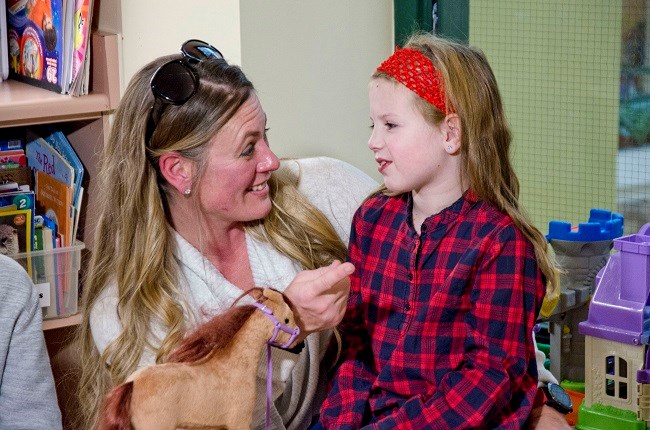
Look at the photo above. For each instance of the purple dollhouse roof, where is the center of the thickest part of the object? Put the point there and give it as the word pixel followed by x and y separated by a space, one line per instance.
pixel 618 308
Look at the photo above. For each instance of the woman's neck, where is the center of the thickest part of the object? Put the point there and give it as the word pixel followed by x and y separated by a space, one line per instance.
pixel 229 254
pixel 224 245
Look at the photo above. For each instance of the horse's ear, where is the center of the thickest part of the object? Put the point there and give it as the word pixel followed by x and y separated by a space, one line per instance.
pixel 273 295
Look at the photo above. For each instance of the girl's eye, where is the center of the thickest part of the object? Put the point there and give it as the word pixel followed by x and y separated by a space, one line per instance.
pixel 372 126
pixel 390 125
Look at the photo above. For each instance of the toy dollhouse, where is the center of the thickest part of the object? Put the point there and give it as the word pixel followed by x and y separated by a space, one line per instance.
pixel 617 334
pixel 581 252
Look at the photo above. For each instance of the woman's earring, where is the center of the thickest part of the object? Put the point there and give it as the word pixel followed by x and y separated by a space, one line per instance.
pixel 449 147
pixel 187 191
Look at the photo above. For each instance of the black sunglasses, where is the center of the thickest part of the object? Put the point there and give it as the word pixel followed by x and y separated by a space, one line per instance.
pixel 175 82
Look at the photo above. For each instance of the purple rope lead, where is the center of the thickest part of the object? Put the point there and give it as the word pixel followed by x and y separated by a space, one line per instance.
pixel 269 362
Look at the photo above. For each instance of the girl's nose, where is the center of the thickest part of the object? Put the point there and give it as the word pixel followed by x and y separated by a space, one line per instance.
pixel 374 142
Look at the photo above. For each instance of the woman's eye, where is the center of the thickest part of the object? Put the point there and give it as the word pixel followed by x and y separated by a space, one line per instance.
pixel 390 125
pixel 372 126
pixel 248 151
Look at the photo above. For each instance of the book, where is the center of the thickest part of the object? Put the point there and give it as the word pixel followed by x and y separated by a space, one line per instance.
pixel 48 43
pixel 54 201
pixel 16 231
pixel 21 201
pixel 62 145
pixel 49 273
pixel 11 139
pixel 21 175
pixel 81 47
pixel 42 156
pixel 38 233
pixel 76 215
pixel 4 54
pixel 35 39
pixel 16 156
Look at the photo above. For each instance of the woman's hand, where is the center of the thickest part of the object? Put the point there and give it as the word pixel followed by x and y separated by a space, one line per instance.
pixel 319 297
pixel 546 418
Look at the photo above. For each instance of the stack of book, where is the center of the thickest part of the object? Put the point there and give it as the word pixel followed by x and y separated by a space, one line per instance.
pixel 48 43
pixel 40 200
pixel 40 189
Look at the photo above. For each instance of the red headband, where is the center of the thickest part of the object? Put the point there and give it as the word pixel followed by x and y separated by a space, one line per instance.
pixel 413 69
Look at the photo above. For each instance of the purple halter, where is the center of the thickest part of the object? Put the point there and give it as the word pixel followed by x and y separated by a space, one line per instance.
pixel 269 364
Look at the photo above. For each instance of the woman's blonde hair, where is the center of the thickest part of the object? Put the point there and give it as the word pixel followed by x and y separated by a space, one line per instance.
pixel 134 243
pixel 471 92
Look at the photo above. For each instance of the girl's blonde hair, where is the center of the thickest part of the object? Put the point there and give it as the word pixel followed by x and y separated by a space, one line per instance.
pixel 471 92
pixel 134 243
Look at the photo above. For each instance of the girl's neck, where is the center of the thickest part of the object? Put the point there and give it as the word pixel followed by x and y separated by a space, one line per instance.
pixel 426 204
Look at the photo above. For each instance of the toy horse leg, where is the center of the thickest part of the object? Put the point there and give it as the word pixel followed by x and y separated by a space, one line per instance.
pixel 155 422
pixel 240 418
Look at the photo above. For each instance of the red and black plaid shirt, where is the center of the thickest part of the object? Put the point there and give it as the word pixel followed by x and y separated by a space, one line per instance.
pixel 438 324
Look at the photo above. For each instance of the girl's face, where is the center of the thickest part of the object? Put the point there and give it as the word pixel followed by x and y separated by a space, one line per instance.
pixel 234 187
pixel 409 150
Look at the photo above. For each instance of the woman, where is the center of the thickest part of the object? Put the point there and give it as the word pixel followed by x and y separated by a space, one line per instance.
pixel 195 209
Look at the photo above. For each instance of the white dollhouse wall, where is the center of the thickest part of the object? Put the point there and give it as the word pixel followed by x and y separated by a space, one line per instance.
pixel 610 375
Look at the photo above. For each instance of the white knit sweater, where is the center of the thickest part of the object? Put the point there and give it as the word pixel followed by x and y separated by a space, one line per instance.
pixel 334 187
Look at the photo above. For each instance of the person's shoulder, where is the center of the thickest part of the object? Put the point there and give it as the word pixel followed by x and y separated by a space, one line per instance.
pixel 16 285
pixel 326 181
pixel 379 204
pixel 10 266
pixel 492 222
pixel 328 167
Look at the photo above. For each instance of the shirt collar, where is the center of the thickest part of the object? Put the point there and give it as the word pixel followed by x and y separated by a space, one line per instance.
pixel 453 212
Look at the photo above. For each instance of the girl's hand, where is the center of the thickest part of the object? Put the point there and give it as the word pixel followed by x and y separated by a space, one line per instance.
pixel 319 297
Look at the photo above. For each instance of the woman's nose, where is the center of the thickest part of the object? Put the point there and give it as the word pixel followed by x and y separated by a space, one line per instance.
pixel 269 161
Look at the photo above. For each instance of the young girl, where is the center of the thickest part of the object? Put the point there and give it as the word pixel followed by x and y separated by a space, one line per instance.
pixel 450 275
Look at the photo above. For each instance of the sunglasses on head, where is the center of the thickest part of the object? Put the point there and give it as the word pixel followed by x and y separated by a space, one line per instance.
pixel 176 81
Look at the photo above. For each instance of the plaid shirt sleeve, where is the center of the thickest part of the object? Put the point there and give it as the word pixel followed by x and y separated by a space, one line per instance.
pixel 490 379
pixel 348 397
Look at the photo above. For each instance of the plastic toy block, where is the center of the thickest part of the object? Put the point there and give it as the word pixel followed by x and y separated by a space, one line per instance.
pixel 602 225
pixel 601 417
pixel 617 311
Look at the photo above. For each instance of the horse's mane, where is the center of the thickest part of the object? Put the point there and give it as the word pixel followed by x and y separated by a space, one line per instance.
pixel 216 333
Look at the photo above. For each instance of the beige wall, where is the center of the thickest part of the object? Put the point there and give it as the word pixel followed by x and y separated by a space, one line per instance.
pixel 151 28
pixel 310 60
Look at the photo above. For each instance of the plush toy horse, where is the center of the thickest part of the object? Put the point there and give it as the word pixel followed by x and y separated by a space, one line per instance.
pixel 209 381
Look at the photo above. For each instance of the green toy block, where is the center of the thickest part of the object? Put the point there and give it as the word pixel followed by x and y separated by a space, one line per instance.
pixel 601 417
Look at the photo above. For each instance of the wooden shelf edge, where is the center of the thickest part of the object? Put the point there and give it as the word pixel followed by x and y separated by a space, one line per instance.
pixel 62 322
pixel 24 104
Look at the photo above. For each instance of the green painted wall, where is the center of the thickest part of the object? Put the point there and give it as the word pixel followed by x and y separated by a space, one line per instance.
pixel 557 64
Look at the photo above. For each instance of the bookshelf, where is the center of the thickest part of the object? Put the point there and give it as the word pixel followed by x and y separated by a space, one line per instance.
pixel 62 322
pixel 85 122
pixel 22 104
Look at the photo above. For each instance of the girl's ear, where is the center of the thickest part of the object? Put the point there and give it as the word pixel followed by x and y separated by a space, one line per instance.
pixel 451 132
pixel 177 170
